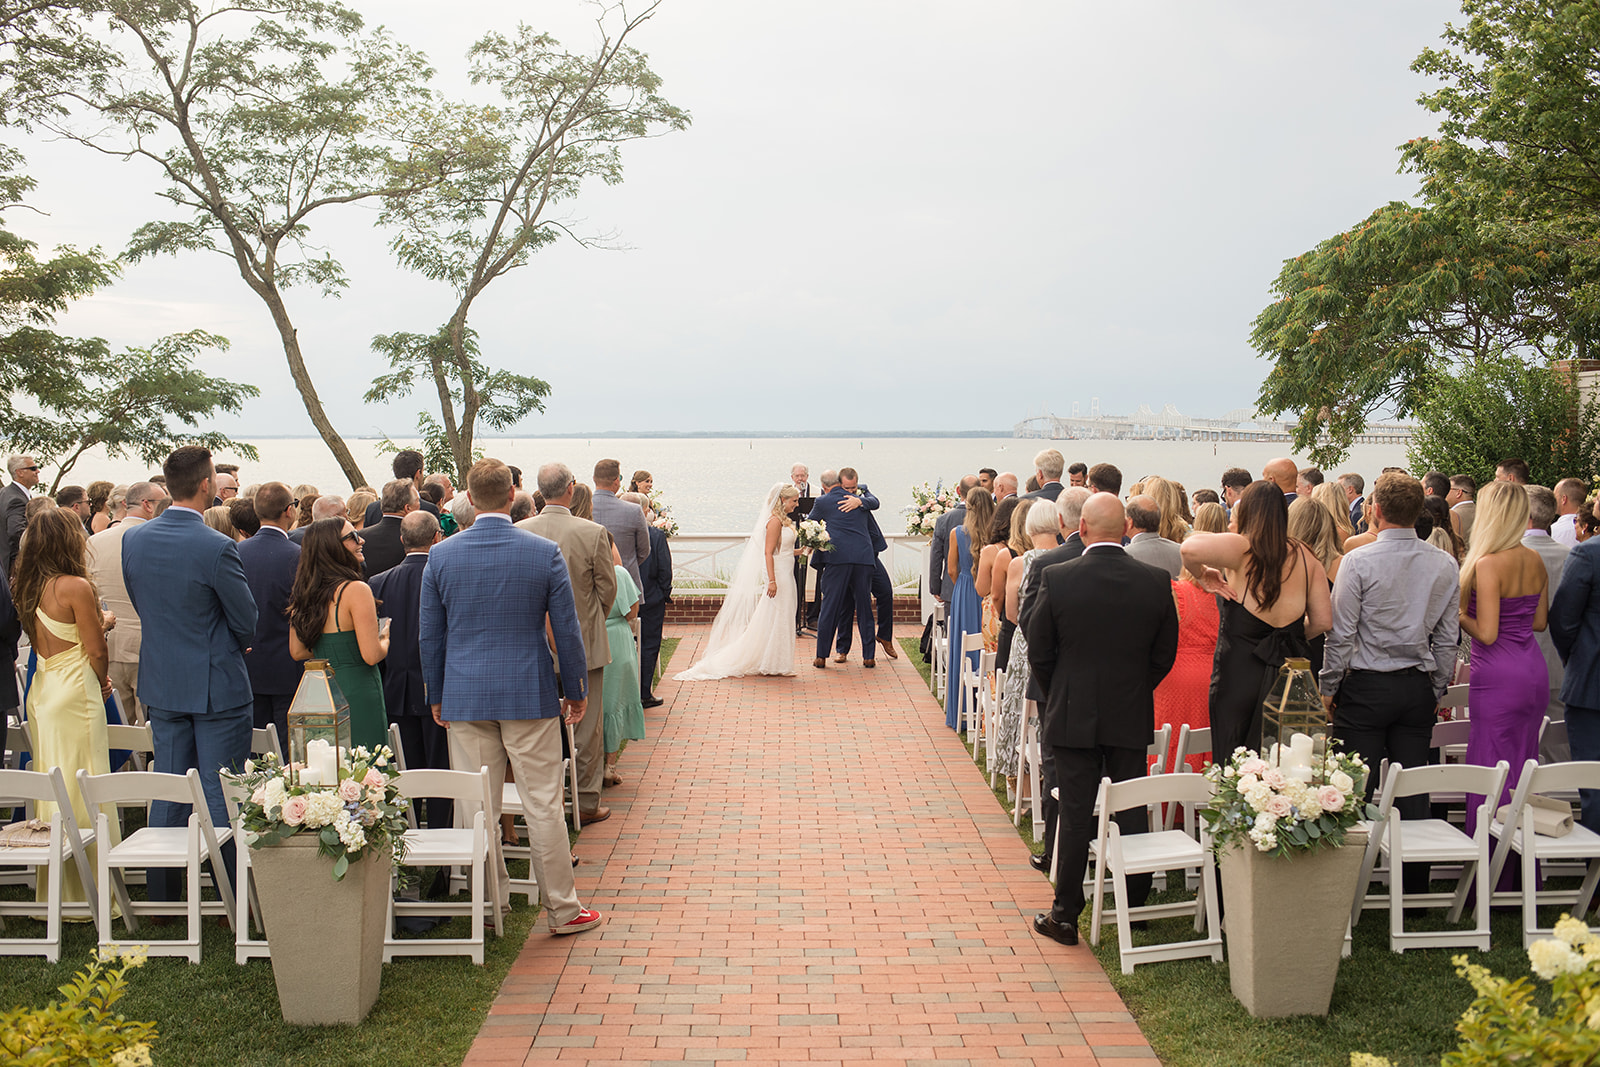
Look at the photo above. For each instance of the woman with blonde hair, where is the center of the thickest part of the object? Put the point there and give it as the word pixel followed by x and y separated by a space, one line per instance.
pixel 1038 527
pixel 1504 600
pixel 357 505
pixel 1210 518
pixel 1169 497
pixel 1331 496
pixel 1312 526
pixel 220 519
pixel 582 502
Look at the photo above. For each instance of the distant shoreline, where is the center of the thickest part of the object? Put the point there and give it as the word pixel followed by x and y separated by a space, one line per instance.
pixel 640 435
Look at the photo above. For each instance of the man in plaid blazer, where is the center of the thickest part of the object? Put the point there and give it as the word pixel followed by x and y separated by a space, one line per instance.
pixel 487 594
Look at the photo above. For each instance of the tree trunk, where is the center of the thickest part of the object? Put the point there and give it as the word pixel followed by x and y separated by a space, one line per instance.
pixel 308 391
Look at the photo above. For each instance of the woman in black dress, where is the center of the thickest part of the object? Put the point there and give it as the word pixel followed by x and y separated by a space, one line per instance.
pixel 1273 597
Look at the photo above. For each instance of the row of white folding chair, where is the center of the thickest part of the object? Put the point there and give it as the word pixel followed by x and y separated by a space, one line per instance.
pixel 994 683
pixel 941 651
pixel 1160 745
pixel 1119 855
pixel 1516 834
pixel 1027 755
pixel 469 847
pixel 66 843
pixel 187 846
pixel 971 681
pixel 1432 842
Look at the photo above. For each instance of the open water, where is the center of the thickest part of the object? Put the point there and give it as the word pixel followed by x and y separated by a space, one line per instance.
pixel 715 485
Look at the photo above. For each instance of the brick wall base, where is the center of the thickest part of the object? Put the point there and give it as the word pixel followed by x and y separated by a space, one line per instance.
pixel 701 609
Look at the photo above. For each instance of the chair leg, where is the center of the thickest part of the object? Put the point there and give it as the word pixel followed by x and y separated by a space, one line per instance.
pixel 1463 886
pixel 1586 892
pixel 1530 898
pixel 1119 893
pixel 52 915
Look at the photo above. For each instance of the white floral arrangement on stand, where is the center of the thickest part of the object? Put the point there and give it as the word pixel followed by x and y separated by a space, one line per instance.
pixel 1280 813
pixel 928 503
pixel 360 812
pixel 812 535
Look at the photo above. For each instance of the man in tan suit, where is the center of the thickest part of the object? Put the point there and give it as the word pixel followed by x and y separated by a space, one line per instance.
pixel 105 567
pixel 586 548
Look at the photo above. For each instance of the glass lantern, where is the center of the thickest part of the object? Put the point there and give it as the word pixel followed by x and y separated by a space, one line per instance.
pixel 319 726
pixel 1295 736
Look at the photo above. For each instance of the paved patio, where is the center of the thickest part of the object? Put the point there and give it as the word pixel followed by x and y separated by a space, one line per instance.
pixel 805 870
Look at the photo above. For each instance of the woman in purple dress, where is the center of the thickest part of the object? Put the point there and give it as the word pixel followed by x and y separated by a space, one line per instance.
pixel 1504 598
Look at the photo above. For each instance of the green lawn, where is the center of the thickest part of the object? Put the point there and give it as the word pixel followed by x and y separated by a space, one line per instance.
pixel 1404 1007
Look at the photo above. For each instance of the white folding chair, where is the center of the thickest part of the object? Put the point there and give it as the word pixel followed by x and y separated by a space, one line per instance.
pixel 971 682
pixel 157 846
pixel 993 758
pixel 139 741
pixel 1028 755
pixel 1432 841
pixel 981 706
pixel 469 847
pixel 1191 741
pixel 246 905
pixel 1516 835
pixel 940 639
pixel 1159 742
pixel 1455 698
pixel 1118 855
pixel 65 842
pixel 264 742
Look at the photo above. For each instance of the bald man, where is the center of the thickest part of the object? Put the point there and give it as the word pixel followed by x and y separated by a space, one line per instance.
pixel 1107 622
pixel 1284 474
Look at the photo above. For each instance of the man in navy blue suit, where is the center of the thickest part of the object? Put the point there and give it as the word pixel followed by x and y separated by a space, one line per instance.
pixel 187 584
pixel 270 560
pixel 657 573
pixel 1575 631
pixel 844 505
pixel 405 697
pixel 882 596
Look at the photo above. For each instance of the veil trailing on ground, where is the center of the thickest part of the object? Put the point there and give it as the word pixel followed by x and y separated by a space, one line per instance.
pixel 749 582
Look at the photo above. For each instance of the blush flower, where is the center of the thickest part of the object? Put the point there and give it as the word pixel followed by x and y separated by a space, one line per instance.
pixel 1273 777
pixel 294 810
pixel 1279 806
pixel 349 789
pixel 374 779
pixel 1329 798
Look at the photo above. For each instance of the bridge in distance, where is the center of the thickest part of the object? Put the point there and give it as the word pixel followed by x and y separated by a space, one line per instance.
pixel 1171 424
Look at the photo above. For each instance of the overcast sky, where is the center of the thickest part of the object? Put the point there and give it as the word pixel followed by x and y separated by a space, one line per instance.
pixel 909 215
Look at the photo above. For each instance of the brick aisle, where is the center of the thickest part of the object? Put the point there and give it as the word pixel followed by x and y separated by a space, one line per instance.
pixel 805 870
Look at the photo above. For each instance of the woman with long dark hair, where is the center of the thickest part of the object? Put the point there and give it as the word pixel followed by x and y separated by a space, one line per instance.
pixel 60 612
pixel 333 616
pixel 1274 597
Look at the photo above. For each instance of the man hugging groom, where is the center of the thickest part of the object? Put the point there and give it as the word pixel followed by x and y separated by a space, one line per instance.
pixel 847 579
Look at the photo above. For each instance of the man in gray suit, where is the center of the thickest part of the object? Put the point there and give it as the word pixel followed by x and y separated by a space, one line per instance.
pixel 1541 514
pixel 1147 545
pixel 624 520
pixel 587 552
pixel 24 471
pixel 939 546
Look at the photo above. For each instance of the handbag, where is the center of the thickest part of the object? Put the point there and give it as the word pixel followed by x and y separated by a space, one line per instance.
pixel 925 646
pixel 30 833
pixel 1551 818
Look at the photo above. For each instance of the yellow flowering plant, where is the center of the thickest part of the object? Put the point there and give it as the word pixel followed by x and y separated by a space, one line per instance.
pixel 80 1029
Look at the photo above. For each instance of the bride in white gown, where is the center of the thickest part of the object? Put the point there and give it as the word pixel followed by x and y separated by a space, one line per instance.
pixel 754 631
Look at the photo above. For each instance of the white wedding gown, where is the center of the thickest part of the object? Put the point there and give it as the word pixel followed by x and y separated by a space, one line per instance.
pixel 766 644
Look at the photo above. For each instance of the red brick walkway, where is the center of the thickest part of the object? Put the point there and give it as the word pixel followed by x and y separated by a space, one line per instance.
pixel 805 870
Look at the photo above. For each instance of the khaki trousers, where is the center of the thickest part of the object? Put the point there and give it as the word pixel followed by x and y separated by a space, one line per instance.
pixel 591 739
pixel 125 680
pixel 534 748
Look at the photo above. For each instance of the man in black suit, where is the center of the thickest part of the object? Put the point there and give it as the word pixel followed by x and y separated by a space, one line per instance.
pixel 407 467
pixel 10 632
pixel 24 471
pixel 657 573
pixel 1069 509
pixel 1102 635
pixel 1048 466
pixel 399 592
pixel 270 561
pixel 800 478
pixel 381 540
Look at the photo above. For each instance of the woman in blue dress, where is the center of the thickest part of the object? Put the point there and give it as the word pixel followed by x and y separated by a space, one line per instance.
pixel 966 607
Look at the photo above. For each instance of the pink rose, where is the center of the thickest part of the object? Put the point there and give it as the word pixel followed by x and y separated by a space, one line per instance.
pixel 1330 798
pixel 259 796
pixel 1280 806
pixel 374 779
pixel 1274 778
pixel 294 810
pixel 1255 766
pixel 349 790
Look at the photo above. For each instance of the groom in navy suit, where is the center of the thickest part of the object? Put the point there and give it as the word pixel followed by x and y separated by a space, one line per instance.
pixel 844 506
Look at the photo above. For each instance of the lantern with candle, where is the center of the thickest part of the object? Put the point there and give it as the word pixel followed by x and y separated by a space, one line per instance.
pixel 1294 725
pixel 319 726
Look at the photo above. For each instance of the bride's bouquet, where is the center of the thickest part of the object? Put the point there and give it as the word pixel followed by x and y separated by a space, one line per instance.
pixel 928 503
pixel 663 520
pixel 812 535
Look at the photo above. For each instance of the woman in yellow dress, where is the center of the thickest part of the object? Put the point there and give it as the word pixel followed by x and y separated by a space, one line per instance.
pixel 60 611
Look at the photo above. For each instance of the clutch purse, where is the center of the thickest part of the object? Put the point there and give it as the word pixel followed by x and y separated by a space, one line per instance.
pixel 1551 818
pixel 30 833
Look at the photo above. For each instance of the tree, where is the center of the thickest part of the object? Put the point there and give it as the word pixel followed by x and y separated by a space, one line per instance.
pixel 257 127
pixel 1503 406
pixel 559 122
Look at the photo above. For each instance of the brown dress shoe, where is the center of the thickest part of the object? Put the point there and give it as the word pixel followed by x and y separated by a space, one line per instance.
pixel 819 662
pixel 869 663
pixel 841 658
pixel 597 815
pixel 888 648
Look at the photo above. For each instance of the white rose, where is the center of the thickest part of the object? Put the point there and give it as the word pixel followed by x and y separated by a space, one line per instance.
pixel 1341 781
pixel 275 794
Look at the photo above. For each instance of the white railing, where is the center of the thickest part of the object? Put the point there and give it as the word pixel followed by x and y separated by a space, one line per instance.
pixel 702 564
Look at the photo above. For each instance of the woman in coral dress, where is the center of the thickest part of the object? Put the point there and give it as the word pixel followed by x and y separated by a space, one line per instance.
pixel 1183 695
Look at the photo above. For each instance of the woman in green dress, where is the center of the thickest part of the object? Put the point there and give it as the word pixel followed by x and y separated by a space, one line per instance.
pixel 333 616
pixel 624 709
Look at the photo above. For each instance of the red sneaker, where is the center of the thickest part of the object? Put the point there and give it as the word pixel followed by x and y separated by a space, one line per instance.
pixel 587 919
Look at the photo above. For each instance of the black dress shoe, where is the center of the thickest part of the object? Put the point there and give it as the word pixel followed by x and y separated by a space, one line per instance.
pixel 1040 863
pixel 1048 927
pixel 653 702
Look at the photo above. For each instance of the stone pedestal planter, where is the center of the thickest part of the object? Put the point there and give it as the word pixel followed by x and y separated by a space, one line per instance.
pixel 1284 924
pixel 326 937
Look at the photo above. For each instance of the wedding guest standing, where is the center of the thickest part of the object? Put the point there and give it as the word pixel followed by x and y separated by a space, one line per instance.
pixel 624 520
pixel 657 574
pixel 188 586
pixel 966 614
pixel 848 575
pixel 1541 515
pixel 624 711
pixel 334 616
pixel 270 562
pixel 105 569
pixel 24 471
pixel 488 596
pixel 1102 637
pixel 1575 629
pixel 1040 525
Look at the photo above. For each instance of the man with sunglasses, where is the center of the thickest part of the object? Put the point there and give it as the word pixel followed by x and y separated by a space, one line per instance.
pixel 24 471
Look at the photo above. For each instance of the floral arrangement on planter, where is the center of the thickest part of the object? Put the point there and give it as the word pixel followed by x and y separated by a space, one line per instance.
pixel 1505 1025
pixel 928 503
pixel 813 535
pixel 81 1027
pixel 1279 813
pixel 361 812
pixel 663 520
